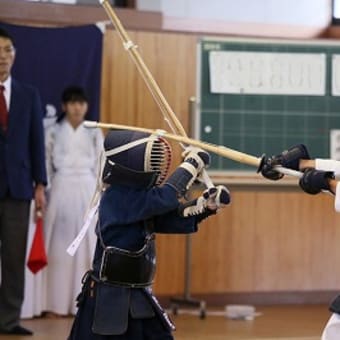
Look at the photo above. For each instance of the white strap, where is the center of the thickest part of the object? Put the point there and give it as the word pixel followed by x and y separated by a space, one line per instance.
pixel 91 211
pixel 127 146
pixel 190 168
pixel 71 250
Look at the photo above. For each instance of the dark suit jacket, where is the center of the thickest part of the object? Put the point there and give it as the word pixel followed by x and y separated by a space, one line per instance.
pixel 22 151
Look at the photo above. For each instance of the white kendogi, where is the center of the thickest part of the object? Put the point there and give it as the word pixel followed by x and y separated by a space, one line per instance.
pixel 72 163
pixel 332 329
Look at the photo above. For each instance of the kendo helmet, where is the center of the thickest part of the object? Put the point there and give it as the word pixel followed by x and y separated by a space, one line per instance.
pixel 135 159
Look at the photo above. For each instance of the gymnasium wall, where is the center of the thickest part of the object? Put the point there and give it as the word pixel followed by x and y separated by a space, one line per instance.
pixel 272 240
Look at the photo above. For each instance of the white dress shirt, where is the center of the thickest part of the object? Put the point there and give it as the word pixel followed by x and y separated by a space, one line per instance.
pixel 7 93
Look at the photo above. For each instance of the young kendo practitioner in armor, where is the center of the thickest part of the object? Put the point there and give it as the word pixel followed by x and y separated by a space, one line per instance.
pixel 318 175
pixel 116 301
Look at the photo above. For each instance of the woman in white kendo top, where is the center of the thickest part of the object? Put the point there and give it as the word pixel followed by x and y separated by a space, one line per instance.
pixel 72 153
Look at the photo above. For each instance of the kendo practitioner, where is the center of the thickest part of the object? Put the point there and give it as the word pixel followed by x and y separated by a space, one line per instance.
pixel 318 175
pixel 116 301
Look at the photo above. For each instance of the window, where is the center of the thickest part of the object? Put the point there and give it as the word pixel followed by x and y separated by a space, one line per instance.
pixel 116 3
pixel 336 12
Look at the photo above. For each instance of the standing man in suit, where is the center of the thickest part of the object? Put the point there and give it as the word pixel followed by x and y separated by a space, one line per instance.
pixel 22 177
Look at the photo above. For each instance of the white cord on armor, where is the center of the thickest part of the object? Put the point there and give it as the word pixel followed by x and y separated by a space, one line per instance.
pixel 73 247
pixel 91 211
pixel 127 146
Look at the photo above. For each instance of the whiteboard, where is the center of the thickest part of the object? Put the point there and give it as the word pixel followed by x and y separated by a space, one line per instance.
pixel 271 73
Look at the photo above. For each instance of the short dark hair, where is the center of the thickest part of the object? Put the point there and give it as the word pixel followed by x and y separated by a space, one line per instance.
pixel 74 94
pixel 4 34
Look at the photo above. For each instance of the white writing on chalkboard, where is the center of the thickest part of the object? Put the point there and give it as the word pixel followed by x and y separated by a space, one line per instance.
pixel 334 146
pixel 269 73
pixel 336 75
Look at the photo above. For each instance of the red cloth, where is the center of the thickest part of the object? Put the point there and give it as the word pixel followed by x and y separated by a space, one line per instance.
pixel 37 258
pixel 3 109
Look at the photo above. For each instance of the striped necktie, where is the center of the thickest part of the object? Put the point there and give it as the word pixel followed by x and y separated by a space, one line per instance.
pixel 3 109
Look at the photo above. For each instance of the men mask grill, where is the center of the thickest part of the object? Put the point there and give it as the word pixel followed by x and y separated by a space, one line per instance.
pixel 158 158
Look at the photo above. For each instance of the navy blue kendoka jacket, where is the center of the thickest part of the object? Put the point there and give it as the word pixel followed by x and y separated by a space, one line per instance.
pixel 122 213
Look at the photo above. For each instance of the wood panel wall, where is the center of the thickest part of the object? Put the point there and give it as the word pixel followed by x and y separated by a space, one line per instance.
pixel 265 241
pixel 270 239
pixel 171 59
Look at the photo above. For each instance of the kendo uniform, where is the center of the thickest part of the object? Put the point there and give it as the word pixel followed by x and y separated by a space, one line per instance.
pixel 313 181
pixel 116 301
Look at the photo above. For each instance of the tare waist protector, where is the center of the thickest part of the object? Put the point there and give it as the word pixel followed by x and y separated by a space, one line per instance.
pixel 129 268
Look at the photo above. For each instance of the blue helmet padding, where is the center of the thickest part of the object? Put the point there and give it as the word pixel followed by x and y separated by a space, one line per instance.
pixel 132 158
pixel 127 167
pixel 118 174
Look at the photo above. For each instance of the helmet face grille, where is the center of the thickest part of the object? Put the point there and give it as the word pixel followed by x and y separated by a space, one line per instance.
pixel 158 158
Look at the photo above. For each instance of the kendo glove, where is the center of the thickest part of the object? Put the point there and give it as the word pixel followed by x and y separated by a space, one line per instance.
pixel 314 181
pixel 206 205
pixel 195 159
pixel 217 197
pixel 267 169
pixel 335 305
pixel 288 159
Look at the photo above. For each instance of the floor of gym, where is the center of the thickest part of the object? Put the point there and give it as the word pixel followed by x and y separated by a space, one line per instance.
pixel 274 322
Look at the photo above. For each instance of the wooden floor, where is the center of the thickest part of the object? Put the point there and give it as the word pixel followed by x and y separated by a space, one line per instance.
pixel 283 323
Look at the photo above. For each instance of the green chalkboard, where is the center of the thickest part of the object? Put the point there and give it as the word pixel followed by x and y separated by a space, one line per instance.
pixel 262 96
